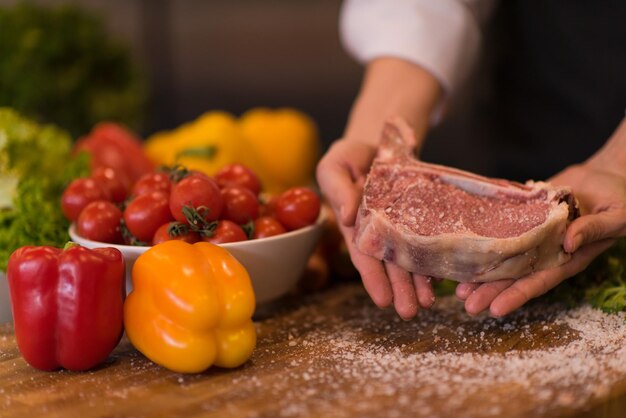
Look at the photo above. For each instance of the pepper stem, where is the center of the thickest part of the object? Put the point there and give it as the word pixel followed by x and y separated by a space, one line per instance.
pixel 207 152
pixel 70 244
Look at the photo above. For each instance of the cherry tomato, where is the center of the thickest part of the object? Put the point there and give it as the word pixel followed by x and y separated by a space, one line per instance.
pixel 268 205
pixel 79 194
pixel 200 193
pixel 226 231
pixel 146 213
pixel 175 231
pixel 238 175
pixel 297 208
pixel 196 173
pixel 152 182
pixel 112 183
pixel 266 226
pixel 240 204
pixel 113 145
pixel 100 221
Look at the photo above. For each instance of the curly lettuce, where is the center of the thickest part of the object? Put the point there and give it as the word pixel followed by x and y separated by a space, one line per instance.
pixel 59 65
pixel 604 281
pixel 35 167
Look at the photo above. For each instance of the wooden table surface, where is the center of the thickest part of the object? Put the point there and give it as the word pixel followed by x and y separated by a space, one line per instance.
pixel 335 354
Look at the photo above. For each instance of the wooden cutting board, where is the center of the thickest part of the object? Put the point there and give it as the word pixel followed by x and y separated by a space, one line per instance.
pixel 335 354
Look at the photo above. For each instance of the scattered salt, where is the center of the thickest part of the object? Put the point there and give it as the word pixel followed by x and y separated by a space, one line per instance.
pixel 586 358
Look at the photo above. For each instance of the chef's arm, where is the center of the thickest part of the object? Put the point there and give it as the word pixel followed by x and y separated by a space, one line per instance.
pixel 612 156
pixel 416 53
pixel 600 186
pixel 393 87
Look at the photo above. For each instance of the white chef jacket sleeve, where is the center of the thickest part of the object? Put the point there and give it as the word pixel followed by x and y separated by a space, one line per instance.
pixel 442 36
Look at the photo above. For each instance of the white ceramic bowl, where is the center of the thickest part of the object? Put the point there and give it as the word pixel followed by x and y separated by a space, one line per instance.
pixel 275 264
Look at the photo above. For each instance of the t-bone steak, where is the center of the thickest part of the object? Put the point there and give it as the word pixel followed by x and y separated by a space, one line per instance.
pixel 448 223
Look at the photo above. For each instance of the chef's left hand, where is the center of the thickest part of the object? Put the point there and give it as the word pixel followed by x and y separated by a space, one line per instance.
pixel 341 174
pixel 601 193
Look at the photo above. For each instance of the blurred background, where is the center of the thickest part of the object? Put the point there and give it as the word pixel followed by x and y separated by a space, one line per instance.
pixel 199 55
pixel 156 64
pixel 170 61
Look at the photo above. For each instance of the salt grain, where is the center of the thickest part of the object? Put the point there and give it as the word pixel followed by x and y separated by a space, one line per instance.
pixel 581 365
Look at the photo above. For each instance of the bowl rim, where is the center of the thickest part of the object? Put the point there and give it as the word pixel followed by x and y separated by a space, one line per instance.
pixel 321 220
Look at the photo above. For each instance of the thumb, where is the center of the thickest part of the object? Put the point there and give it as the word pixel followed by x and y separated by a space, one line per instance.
pixel 594 227
pixel 342 193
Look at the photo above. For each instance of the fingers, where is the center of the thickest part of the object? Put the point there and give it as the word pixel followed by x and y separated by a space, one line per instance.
pixel 404 295
pixel 522 291
pixel 483 295
pixel 424 290
pixel 375 280
pixel 594 227
pixel 386 283
pixel 504 296
pixel 337 185
pixel 341 174
pixel 539 283
pixel 463 290
pixel 372 271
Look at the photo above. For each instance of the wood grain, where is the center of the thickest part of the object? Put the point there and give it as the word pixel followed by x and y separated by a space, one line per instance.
pixel 313 359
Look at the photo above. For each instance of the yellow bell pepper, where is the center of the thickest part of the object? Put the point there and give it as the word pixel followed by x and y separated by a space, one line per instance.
pixel 191 307
pixel 283 146
pixel 206 144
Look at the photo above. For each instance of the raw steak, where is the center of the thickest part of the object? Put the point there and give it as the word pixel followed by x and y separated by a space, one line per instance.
pixel 447 223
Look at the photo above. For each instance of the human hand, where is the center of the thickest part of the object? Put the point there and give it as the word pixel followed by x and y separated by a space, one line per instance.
pixel 341 174
pixel 601 194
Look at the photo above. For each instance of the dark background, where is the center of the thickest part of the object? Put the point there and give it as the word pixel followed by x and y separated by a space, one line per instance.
pixel 201 55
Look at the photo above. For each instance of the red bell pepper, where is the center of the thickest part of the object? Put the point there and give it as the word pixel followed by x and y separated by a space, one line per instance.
pixel 67 304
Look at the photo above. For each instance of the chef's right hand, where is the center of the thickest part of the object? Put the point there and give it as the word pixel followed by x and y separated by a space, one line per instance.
pixel 341 174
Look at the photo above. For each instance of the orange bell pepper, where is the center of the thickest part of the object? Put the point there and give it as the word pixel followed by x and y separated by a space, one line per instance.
pixel 191 307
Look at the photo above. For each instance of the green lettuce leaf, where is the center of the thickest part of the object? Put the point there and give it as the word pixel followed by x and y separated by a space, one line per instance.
pixel 35 167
